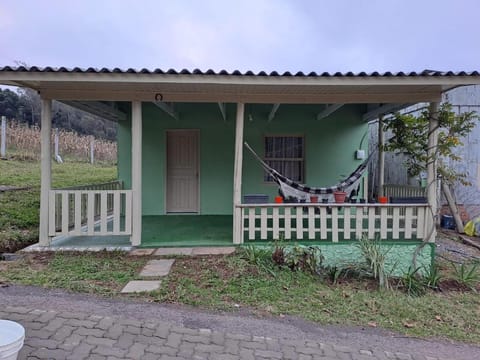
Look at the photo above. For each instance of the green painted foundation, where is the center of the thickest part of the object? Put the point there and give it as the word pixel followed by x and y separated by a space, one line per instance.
pixel 398 259
pixel 399 256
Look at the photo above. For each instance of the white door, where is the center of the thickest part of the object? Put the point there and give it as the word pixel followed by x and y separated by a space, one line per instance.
pixel 182 171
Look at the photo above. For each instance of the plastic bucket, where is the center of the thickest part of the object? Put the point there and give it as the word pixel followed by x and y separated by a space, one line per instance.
pixel 447 222
pixel 12 335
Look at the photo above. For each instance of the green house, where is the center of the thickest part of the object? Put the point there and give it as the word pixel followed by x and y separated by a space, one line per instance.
pixel 189 179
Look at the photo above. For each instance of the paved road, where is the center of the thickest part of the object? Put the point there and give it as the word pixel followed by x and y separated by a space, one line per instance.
pixel 61 325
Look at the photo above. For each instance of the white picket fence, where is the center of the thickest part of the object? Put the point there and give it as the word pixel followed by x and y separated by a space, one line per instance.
pixel 90 212
pixel 334 221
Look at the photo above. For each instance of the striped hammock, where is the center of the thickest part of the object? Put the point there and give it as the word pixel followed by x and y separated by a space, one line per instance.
pixel 292 189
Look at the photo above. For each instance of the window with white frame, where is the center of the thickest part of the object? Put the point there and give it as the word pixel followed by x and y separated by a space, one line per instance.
pixel 286 155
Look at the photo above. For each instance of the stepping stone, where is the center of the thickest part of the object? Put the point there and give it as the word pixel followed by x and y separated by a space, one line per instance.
pixel 174 251
pixel 141 252
pixel 155 268
pixel 223 250
pixel 138 286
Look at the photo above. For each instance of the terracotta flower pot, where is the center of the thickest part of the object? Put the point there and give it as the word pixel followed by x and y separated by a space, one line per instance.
pixel 339 196
pixel 382 199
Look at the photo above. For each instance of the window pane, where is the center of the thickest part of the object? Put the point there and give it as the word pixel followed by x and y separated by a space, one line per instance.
pixel 269 147
pixel 284 148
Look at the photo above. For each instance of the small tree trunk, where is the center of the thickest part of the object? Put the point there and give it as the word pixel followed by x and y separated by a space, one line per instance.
pixel 453 207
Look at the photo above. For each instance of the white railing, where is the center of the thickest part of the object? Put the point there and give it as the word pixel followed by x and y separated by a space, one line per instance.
pixel 90 212
pixel 112 185
pixel 334 222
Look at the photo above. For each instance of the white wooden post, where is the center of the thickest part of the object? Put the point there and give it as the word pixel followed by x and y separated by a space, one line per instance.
pixel 56 144
pixel 381 157
pixel 136 238
pixel 3 145
pixel 46 167
pixel 432 171
pixel 92 149
pixel 237 176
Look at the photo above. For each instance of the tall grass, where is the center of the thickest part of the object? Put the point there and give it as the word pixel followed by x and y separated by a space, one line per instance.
pixel 24 143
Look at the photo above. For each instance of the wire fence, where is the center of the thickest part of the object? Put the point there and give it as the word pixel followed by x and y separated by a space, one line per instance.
pixel 23 142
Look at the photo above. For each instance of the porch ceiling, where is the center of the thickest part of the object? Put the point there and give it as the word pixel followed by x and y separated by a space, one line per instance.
pixel 197 86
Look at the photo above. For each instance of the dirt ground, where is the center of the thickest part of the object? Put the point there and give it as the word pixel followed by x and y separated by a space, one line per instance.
pixel 450 247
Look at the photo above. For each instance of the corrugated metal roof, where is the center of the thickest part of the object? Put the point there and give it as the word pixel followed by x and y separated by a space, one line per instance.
pixel 49 69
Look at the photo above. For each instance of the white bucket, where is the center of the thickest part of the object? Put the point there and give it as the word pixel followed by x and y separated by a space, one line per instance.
pixel 12 335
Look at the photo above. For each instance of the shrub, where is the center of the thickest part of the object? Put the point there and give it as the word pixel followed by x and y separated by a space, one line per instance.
pixel 375 255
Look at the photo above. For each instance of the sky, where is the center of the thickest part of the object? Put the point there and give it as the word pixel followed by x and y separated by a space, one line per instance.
pixel 280 35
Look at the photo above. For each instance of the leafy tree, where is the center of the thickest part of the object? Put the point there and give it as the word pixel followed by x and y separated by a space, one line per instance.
pixel 25 106
pixel 29 106
pixel 9 102
pixel 410 137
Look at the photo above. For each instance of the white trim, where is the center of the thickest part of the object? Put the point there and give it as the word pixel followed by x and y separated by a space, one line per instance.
pixel 168 108
pixel 136 237
pixel 128 78
pixel 271 116
pixel 232 93
pixel 46 172
pixel 223 110
pixel 237 176
pixel 330 109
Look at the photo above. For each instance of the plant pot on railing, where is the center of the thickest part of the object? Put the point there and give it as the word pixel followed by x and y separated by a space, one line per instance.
pixel 339 196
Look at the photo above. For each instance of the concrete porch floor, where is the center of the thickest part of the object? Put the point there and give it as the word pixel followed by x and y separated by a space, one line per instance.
pixel 163 231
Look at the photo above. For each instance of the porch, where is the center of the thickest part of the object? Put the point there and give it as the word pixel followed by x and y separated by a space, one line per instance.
pixel 329 112
pixel 159 231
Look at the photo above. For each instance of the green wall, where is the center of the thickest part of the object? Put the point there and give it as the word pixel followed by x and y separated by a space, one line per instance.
pixel 329 149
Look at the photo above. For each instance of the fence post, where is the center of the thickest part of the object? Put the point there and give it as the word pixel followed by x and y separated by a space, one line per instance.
pixel 3 145
pixel 92 149
pixel 56 143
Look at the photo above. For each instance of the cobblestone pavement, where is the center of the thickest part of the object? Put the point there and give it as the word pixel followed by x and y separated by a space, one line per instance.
pixel 67 326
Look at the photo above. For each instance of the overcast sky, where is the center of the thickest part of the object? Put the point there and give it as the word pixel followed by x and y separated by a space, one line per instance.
pixel 282 35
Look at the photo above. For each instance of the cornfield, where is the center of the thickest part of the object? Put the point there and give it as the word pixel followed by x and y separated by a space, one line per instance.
pixel 24 142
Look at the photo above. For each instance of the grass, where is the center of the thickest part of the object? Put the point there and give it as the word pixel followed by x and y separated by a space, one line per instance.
pixel 103 273
pixel 20 209
pixel 229 282
pixel 199 282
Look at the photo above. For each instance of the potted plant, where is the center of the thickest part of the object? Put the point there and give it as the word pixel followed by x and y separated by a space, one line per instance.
pixel 339 196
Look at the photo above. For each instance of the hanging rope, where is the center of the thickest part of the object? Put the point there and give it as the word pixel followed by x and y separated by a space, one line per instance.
pixel 301 191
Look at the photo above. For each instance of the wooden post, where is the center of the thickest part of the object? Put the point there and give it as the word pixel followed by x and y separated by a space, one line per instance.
pixel 237 176
pixel 56 144
pixel 92 149
pixel 136 237
pixel 46 175
pixel 3 145
pixel 432 171
pixel 381 157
